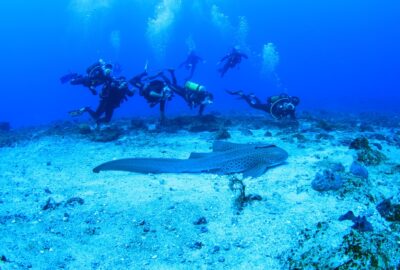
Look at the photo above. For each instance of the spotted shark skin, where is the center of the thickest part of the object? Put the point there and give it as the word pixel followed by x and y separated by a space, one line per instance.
pixel 226 158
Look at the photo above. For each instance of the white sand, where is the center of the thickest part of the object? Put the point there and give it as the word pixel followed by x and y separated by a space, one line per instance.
pixel 105 231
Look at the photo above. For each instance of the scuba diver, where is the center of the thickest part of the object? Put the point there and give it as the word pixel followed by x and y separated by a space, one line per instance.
pixel 195 95
pixel 114 92
pixel 231 60
pixel 155 89
pixel 96 74
pixel 191 63
pixel 278 106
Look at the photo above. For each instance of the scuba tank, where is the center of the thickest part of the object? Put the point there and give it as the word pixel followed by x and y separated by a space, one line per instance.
pixel 280 105
pixel 192 86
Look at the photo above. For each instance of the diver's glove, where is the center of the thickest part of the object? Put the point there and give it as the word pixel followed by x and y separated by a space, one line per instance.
pixel 166 93
pixel 93 90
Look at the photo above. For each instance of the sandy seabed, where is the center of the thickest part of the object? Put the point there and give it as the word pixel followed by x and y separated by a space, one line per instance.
pixel 55 213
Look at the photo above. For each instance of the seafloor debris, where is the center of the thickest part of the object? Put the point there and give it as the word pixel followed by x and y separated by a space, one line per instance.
pixel 389 211
pixel 365 154
pixel 50 204
pixel 84 129
pixel 200 221
pixel 325 125
pixel 74 201
pixel 370 157
pixel 267 134
pixel 323 248
pixel 246 132
pixel 360 223
pixel 222 134
pixel 106 135
pixel 358 170
pixel 327 180
pixel 361 143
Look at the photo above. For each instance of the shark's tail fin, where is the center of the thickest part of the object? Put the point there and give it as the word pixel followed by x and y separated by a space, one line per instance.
pixel 145 165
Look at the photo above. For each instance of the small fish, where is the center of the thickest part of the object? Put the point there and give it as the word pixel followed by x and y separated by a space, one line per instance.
pixel 226 158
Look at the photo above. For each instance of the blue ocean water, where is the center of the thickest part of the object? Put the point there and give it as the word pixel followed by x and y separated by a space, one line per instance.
pixel 335 55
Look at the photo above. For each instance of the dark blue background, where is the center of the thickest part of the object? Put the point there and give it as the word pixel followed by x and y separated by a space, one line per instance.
pixel 335 55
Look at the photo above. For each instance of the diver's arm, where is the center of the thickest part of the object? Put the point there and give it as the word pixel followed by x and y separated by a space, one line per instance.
pixel 224 58
pixel 155 94
pixel 137 80
pixel 160 74
pixel 173 77
pixel 184 63
pixel 180 91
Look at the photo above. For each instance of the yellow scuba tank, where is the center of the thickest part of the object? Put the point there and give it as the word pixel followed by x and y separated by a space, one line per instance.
pixel 192 86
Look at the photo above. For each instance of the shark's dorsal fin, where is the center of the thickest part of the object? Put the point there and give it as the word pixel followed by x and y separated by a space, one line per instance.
pixel 221 146
pixel 265 146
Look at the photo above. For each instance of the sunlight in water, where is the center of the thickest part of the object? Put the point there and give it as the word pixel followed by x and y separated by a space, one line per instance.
pixel 242 34
pixel 270 59
pixel 220 20
pixel 84 12
pixel 115 40
pixel 85 7
pixel 191 45
pixel 158 28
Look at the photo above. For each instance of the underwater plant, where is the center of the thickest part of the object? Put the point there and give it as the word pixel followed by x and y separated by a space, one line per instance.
pixel 239 195
pixel 240 199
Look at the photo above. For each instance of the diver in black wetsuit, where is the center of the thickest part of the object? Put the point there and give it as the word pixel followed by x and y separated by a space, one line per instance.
pixel 96 74
pixel 194 94
pixel 191 63
pixel 155 89
pixel 231 60
pixel 278 106
pixel 114 92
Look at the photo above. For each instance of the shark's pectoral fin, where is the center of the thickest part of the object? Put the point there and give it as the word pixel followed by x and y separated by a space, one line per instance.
pixel 255 171
pixel 194 155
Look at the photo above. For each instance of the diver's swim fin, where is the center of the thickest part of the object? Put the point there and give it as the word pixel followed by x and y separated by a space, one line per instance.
pixel 146 65
pixel 68 77
pixel 237 93
pixel 78 112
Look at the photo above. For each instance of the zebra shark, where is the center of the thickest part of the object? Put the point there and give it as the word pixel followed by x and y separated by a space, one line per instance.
pixel 226 158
